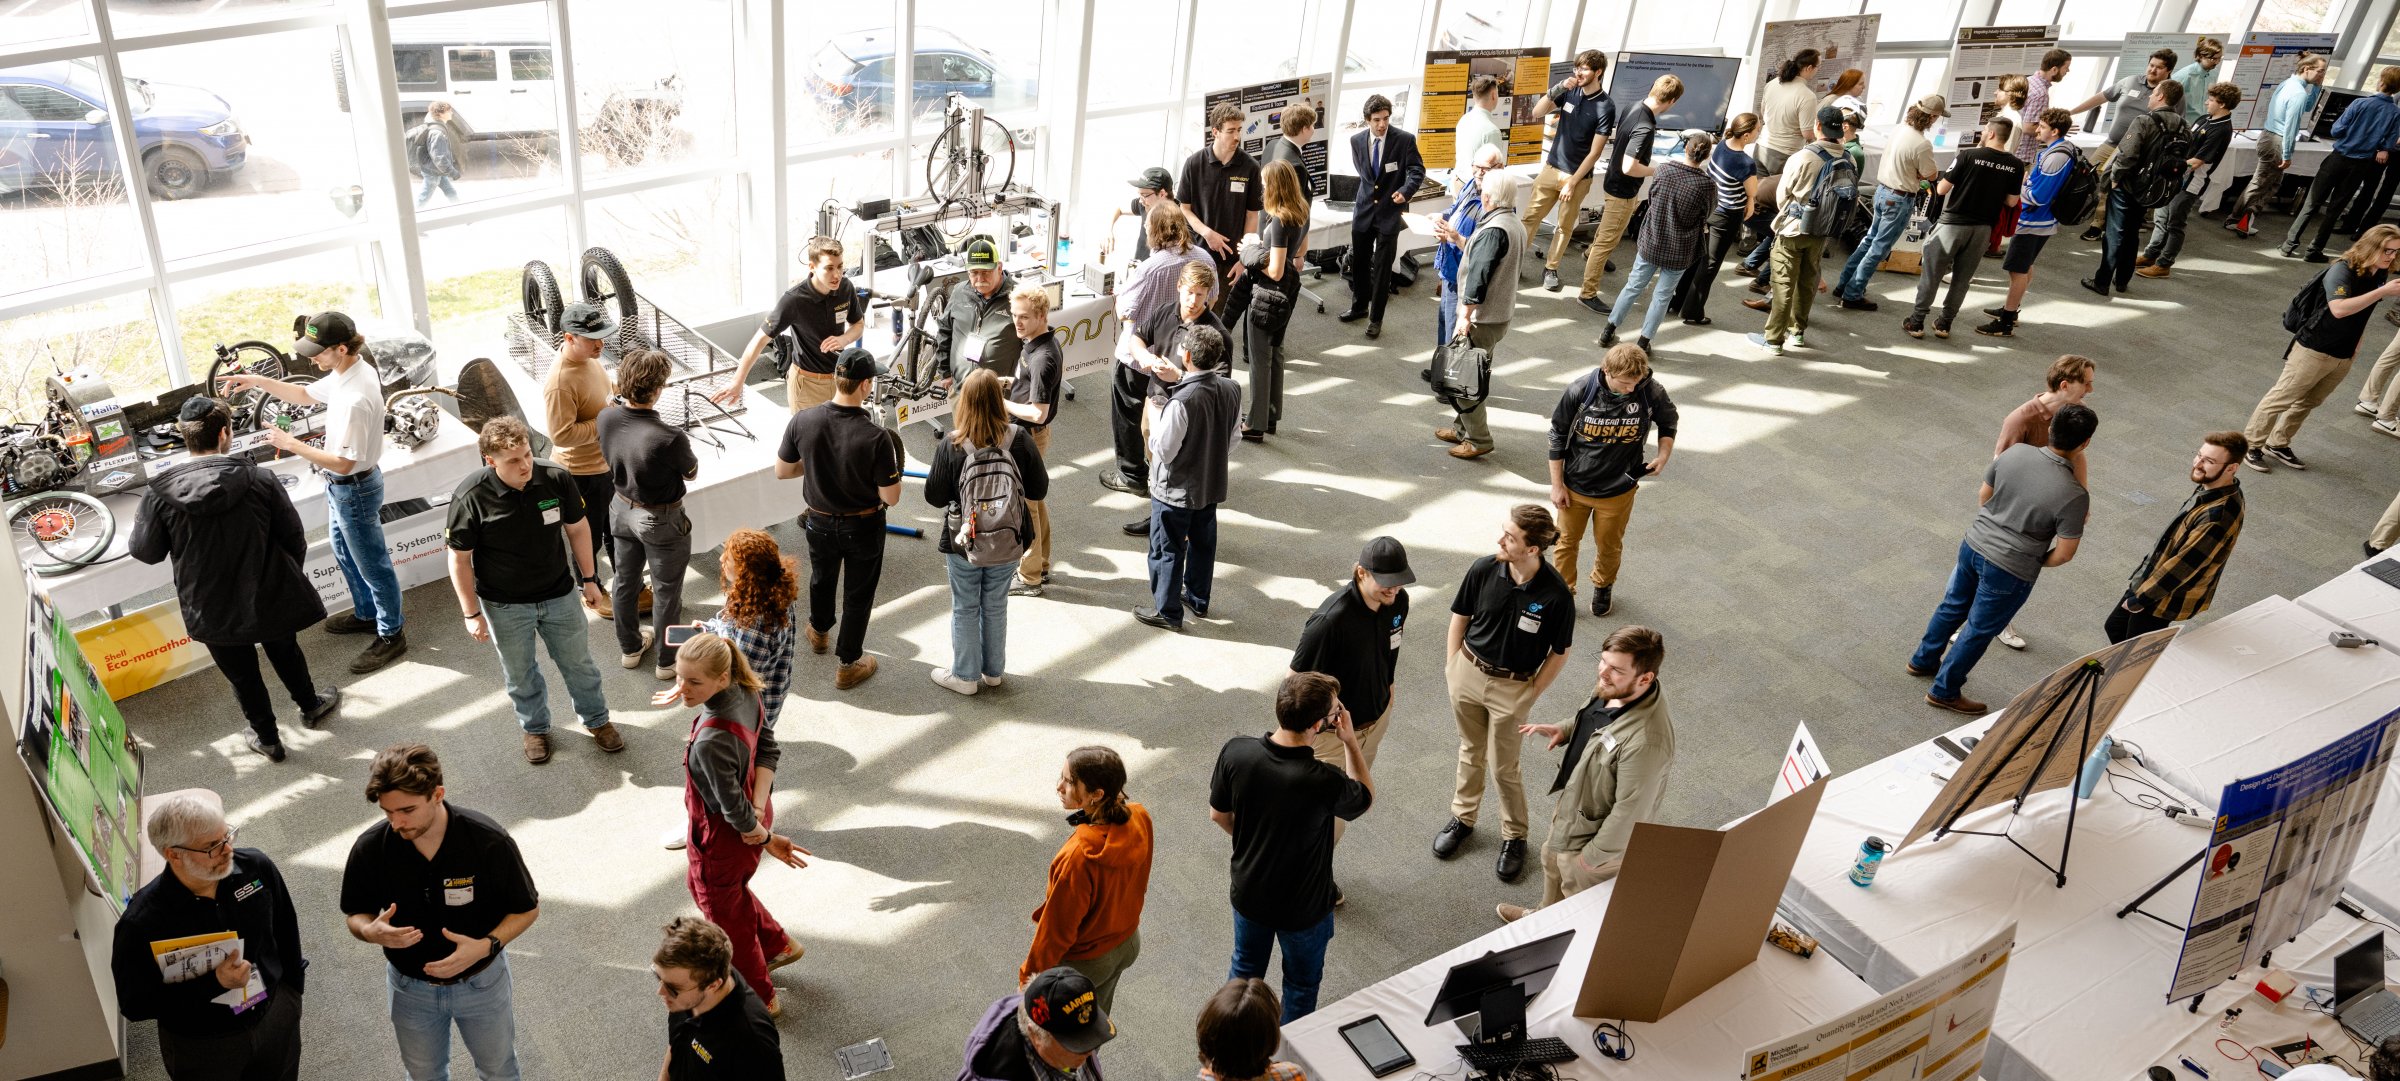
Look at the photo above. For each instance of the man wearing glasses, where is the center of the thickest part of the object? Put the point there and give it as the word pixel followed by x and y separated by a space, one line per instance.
pixel 716 1026
pixel 1452 230
pixel 211 951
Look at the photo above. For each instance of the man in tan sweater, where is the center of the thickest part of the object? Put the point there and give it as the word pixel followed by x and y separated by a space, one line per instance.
pixel 572 398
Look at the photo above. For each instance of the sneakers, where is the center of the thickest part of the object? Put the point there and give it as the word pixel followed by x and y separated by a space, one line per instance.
pixel 1913 326
pixel 272 752
pixel 634 659
pixel 991 681
pixel 1862 304
pixel 1511 863
pixel 675 840
pixel 1602 602
pixel 2387 428
pixel 349 623
pixel 2154 270
pixel 1150 617
pixel 1023 588
pixel 328 698
pixel 854 673
pixel 943 678
pixel 2091 234
pixel 1798 340
pixel 1941 327
pixel 792 951
pixel 816 639
pixel 1453 836
pixel 2315 257
pixel 1116 482
pixel 1509 913
pixel 664 672
pixel 2285 456
pixel 1550 280
pixel 2288 252
pixel 608 737
pixel 2003 325
pixel 2010 638
pixel 1760 340
pixel 2257 459
pixel 1593 303
pixel 2362 409
pixel 2097 286
pixel 380 652
pixel 537 747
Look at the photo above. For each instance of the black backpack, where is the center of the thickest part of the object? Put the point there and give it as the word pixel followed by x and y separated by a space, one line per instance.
pixel 2307 304
pixel 2156 181
pixel 418 148
pixel 1833 200
pixel 2081 191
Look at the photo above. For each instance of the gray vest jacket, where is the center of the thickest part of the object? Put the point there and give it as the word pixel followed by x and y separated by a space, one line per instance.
pixel 1500 292
pixel 1195 476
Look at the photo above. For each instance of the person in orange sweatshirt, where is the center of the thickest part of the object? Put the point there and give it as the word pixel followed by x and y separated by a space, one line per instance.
pixel 1091 915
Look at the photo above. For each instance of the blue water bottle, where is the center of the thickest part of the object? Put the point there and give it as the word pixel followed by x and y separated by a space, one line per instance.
pixel 2093 768
pixel 1870 857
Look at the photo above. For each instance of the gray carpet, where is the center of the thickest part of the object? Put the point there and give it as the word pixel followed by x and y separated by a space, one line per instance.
pixel 1790 555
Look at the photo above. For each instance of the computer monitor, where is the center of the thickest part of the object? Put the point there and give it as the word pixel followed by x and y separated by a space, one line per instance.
pixel 1508 978
pixel 2358 970
pixel 1707 90
pixel 2330 109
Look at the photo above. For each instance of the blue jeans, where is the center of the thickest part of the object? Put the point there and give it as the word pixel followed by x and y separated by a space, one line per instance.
pixel 481 1006
pixel 432 181
pixel 978 617
pixel 1892 210
pixel 1303 960
pixel 558 622
pixel 1984 598
pixel 2116 242
pixel 1183 557
pixel 1445 318
pixel 1637 280
pixel 354 518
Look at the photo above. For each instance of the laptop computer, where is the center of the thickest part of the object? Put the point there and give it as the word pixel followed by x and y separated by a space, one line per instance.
pixel 2385 571
pixel 2365 1008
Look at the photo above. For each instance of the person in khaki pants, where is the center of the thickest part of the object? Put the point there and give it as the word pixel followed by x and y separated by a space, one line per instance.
pixel 2387 530
pixel 1597 433
pixel 1586 119
pixel 2322 349
pixel 1033 394
pixel 1510 628
pixel 1615 770
pixel 824 313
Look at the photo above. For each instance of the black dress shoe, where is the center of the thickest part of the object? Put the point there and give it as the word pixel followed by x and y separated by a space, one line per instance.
pixel 1253 435
pixel 2094 285
pixel 1602 602
pixel 1353 315
pixel 1512 860
pixel 2370 548
pixel 328 697
pixel 1138 529
pixel 1454 835
pixel 1375 329
pixel 1195 607
pixel 1149 617
pixel 1594 303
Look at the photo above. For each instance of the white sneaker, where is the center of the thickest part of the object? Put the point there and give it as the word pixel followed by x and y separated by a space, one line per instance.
pixel 665 673
pixel 953 683
pixel 991 681
pixel 634 659
pixel 2388 428
pixel 2010 638
pixel 1796 341
pixel 674 840
pixel 2362 409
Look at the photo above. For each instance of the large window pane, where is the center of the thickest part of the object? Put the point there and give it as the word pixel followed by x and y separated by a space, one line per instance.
pixel 260 302
pixel 2092 22
pixel 1386 38
pixel 650 91
pixel 988 50
pixel 244 141
pixel 1114 152
pixel 115 337
pixel 2293 17
pixel 474 275
pixel 151 17
pixel 2025 12
pixel 1481 24
pixel 63 208
pixel 1915 20
pixel 1233 45
pixel 2215 15
pixel 44 20
pixel 838 68
pixel 681 246
pixel 846 181
pixel 497 70
pixel 1660 24
pixel 1133 49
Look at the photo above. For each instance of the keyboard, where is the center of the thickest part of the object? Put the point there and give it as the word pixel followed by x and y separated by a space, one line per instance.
pixel 2385 571
pixel 1497 1057
pixel 2375 1018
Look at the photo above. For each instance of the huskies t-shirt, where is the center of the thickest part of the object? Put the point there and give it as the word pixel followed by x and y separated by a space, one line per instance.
pixel 1599 433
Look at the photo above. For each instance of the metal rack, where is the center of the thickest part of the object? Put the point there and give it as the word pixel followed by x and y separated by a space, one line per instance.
pixel 701 369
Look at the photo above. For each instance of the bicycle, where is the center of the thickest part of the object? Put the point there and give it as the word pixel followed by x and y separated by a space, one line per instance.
pixel 965 154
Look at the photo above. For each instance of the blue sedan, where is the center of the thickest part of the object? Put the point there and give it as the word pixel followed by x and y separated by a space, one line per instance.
pixel 55 130
pixel 851 78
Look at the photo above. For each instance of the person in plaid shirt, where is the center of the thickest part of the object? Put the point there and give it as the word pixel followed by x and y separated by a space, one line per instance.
pixel 760 586
pixel 2179 577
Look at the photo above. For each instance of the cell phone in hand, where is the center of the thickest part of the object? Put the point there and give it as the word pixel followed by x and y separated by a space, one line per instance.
pixel 679 633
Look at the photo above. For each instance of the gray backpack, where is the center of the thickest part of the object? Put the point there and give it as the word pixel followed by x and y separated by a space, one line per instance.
pixel 987 524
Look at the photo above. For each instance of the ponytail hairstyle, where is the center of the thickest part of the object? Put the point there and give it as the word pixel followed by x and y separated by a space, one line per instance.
pixel 717 657
pixel 1099 770
pixel 1800 61
pixel 1741 127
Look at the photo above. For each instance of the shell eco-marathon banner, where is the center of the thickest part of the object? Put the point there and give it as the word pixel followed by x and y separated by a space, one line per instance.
pixel 1524 75
pixel 84 762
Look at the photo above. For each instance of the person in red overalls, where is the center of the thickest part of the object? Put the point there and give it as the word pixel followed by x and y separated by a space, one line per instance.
pixel 724 797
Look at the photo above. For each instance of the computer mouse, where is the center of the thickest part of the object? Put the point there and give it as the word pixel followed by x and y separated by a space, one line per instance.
pixel 2159 1073
pixel 1969 743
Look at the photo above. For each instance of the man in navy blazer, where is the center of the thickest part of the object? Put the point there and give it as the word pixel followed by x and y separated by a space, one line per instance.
pixel 1389 170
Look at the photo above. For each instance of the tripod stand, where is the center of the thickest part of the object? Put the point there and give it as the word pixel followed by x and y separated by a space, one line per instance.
pixel 2077 695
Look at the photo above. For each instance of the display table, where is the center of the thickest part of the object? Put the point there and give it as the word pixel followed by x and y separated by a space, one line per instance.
pixel 1776 997
pixel 2085 992
pixel 2361 602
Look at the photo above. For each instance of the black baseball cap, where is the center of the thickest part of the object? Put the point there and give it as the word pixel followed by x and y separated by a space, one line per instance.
pixel 313 334
pixel 1154 179
pixel 587 321
pixel 856 364
pixel 1829 117
pixel 982 254
pixel 1387 562
pixel 1062 1003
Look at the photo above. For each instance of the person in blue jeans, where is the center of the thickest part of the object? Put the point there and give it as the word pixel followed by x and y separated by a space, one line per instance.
pixel 2032 517
pixel 1907 164
pixel 512 525
pixel 1280 803
pixel 1681 195
pixel 434 154
pixel 1190 445
pixel 982 446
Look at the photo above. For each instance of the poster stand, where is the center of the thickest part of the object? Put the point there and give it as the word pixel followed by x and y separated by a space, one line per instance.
pixel 2135 906
pixel 2077 693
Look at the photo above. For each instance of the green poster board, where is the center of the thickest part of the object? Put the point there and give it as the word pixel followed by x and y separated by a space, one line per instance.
pixel 83 760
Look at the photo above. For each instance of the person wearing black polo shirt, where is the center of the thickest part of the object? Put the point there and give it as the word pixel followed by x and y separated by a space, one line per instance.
pixel 1597 432
pixel 512 524
pixel 1280 804
pixel 975 330
pixel 823 314
pixel 1189 449
pixel 1355 638
pixel 1585 121
pixel 1510 628
pixel 1033 394
pixel 849 471
pixel 1389 170
pixel 1155 345
pixel 648 462
pixel 239 1018
pixel 444 891
pixel 717 1029
pixel 1221 192
pixel 1621 188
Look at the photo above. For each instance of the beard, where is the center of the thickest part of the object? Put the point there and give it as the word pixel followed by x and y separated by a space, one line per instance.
pixel 217 875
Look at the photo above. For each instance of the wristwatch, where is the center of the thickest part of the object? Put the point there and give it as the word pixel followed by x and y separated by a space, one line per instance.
pixel 590 579
pixel 497 945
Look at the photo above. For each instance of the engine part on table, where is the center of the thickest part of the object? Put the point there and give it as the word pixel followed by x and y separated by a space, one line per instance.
pixel 33 460
pixel 273 412
pixel 410 418
pixel 85 414
pixel 605 283
pixel 61 531
pixel 543 302
pixel 483 394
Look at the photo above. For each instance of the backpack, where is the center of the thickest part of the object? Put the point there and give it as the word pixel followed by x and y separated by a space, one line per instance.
pixel 1833 201
pixel 2152 183
pixel 2307 304
pixel 2081 190
pixel 418 148
pixel 987 523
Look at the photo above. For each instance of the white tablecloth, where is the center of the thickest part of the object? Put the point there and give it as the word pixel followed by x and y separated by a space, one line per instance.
pixel 2085 992
pixel 2361 602
pixel 1776 997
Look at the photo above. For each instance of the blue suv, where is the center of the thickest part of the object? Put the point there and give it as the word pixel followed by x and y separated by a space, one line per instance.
pixel 851 77
pixel 54 127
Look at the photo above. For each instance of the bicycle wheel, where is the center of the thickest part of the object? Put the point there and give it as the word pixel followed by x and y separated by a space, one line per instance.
pixel 271 410
pixel 245 358
pixel 950 165
pixel 68 530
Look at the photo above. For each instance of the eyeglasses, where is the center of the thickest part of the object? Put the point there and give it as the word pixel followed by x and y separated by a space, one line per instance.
pixel 212 851
pixel 2391 249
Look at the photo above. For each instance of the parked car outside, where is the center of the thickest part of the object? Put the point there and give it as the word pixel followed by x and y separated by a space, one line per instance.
pixel 851 78
pixel 55 129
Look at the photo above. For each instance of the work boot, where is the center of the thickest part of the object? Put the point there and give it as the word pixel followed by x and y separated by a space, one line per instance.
pixel 609 738
pixel 817 642
pixel 537 747
pixel 854 673
pixel 349 623
pixel 380 652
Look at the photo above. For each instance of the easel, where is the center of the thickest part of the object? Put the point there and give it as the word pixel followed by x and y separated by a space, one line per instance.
pixel 2080 692
pixel 2136 906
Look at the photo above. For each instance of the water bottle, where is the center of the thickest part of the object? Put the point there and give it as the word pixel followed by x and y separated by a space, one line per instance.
pixel 1870 858
pixel 2093 767
pixel 899 324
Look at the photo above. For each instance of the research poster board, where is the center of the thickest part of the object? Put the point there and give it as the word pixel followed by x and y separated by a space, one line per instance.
pixel 1933 1028
pixel 2262 63
pixel 1523 74
pixel 82 759
pixel 1803 765
pixel 2279 855
pixel 1842 42
pixel 1262 106
pixel 2134 57
pixel 1707 89
pixel 1980 55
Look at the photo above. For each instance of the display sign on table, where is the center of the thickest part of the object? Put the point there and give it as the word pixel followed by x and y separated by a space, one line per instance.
pixel 83 760
pixel 1932 1028
pixel 1803 765
pixel 1980 55
pixel 1842 42
pixel 2279 855
pixel 1447 72
pixel 2263 63
pixel 1707 89
pixel 1262 106
pixel 2134 57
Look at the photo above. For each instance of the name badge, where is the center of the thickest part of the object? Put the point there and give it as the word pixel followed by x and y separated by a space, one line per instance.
pixel 1569 106
pixel 1608 743
pixel 974 350
pixel 550 516
pixel 458 895
pixel 1395 638
pixel 1530 624
pixel 1238 184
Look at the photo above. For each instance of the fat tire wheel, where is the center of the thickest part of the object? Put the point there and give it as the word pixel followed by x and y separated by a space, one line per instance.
pixel 544 303
pixel 605 282
pixel 174 173
pixel 59 556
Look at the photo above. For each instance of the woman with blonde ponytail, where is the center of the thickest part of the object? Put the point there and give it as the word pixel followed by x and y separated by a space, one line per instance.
pixel 1091 916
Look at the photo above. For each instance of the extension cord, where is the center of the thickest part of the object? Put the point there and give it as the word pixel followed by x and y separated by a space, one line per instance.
pixel 2190 817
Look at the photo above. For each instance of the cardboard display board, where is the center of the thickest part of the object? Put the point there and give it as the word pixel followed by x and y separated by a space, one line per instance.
pixel 1707 89
pixel 1842 42
pixel 2279 855
pixel 2262 63
pixel 2134 56
pixel 2126 663
pixel 1933 1027
pixel 83 760
pixel 1690 908
pixel 1980 55
pixel 1262 106
pixel 1523 74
